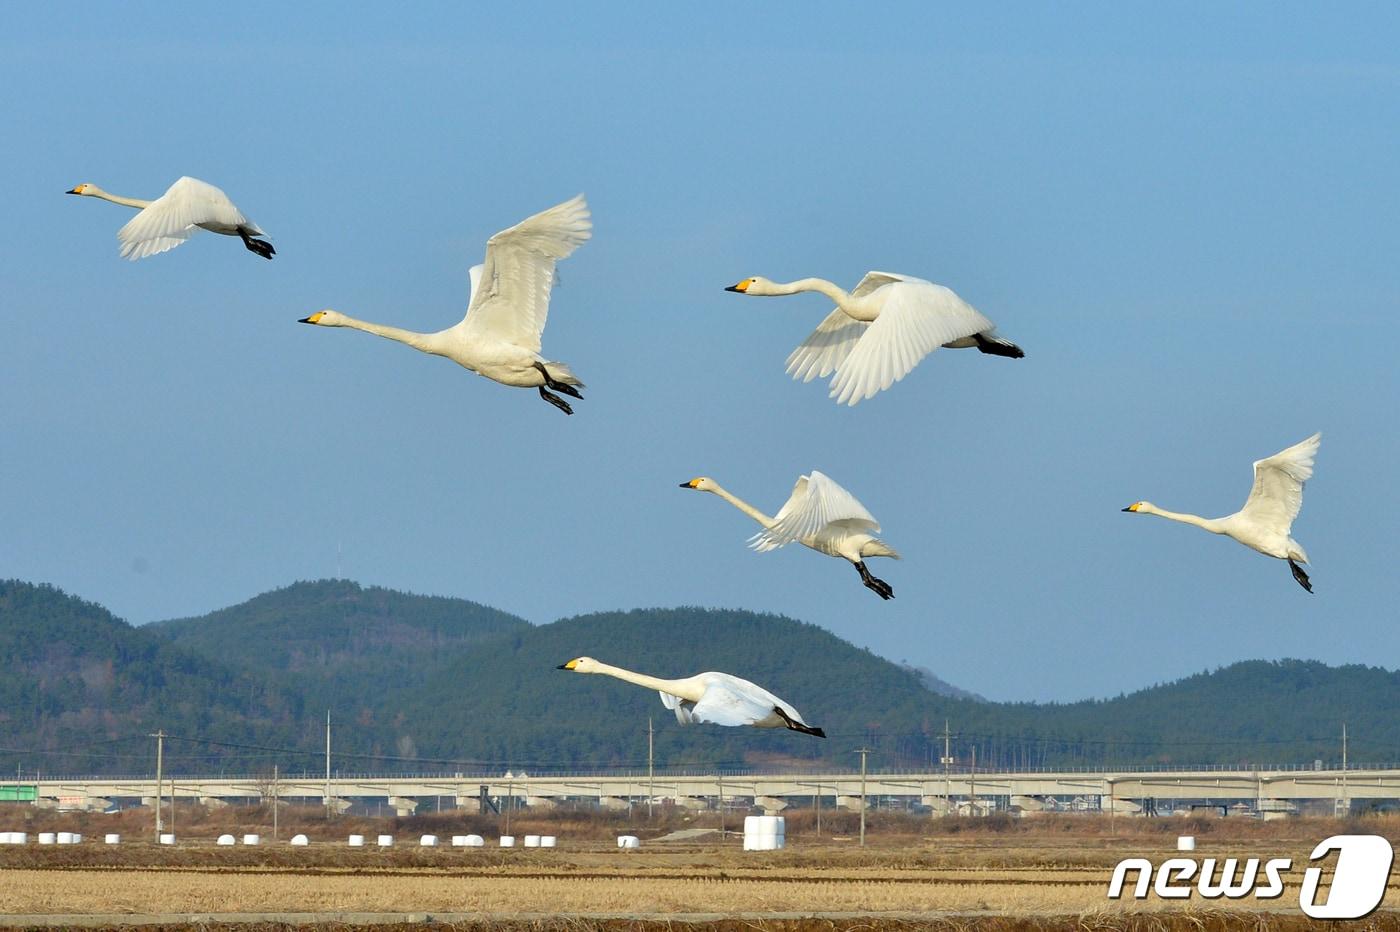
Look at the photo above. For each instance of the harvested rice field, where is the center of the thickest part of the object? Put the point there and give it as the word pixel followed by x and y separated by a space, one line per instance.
pixel 1043 878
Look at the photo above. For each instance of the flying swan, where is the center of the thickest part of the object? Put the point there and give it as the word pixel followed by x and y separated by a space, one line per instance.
pixel 709 698
pixel 880 331
pixel 189 205
pixel 1263 523
pixel 506 310
pixel 820 515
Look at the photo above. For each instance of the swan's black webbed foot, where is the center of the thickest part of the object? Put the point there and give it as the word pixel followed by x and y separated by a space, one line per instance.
pixel 551 382
pixel 1299 575
pixel 555 400
pixel 878 586
pixel 999 347
pixel 795 725
pixel 261 247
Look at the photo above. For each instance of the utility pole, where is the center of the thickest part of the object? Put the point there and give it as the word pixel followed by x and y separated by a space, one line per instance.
pixel 947 783
pixel 329 805
pixel 719 775
pixel 160 784
pixel 862 752
pixel 1346 802
pixel 972 785
pixel 819 810
pixel 651 771
pixel 275 792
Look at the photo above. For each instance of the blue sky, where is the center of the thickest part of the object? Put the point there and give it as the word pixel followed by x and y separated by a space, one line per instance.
pixel 1187 218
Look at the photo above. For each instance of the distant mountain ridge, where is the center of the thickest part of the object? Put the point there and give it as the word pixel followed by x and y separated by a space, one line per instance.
pixel 424 683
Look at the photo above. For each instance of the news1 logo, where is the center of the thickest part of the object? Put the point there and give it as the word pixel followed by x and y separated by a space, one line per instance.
pixel 1358 881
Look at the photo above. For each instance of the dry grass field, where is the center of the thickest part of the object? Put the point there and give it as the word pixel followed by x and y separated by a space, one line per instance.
pixel 1038 873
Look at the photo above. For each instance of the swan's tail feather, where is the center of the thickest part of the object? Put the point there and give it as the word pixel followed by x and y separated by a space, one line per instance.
pixel 560 372
pixel 878 548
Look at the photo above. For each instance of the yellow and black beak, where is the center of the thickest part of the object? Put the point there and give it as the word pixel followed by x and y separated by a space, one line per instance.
pixel 742 287
pixel 73 191
pixel 1133 506
pixel 690 484
pixel 313 319
pixel 567 666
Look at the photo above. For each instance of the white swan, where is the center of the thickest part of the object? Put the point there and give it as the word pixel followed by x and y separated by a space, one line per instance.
pixel 711 698
pixel 821 515
pixel 506 311
pixel 187 206
pixel 1264 522
pixel 880 331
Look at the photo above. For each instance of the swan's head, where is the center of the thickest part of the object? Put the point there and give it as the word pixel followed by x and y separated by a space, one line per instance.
pixel 1144 507
pixel 84 188
pixel 580 665
pixel 756 285
pixel 702 483
pixel 326 318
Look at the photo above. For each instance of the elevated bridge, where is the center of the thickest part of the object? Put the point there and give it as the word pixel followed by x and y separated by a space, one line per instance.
pixel 1258 787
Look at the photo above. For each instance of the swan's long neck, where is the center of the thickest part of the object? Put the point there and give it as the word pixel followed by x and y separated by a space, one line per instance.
pixel 683 688
pixel 419 341
pixel 1210 524
pixel 740 504
pixel 819 285
pixel 118 199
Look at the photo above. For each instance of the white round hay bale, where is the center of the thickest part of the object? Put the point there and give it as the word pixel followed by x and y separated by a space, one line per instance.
pixel 628 841
pixel 46 838
pixel 476 841
pixel 428 841
pixel 65 838
pixel 111 838
pixel 751 824
pixel 532 841
pixel 252 839
pixel 507 841
pixel 19 838
pixel 356 841
pixel 226 840
pixel 167 838
pixel 77 838
pixel 7 838
pixel 1186 843
pixel 301 841
pixel 549 841
pixel 385 841
pixel 459 841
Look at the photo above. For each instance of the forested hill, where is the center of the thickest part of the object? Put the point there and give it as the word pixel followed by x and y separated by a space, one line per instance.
pixel 442 684
pixel 338 644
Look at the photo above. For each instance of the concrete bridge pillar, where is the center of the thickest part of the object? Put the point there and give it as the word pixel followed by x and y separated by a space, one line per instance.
pixel 611 802
pixel 770 804
pixel 938 804
pixel 338 806
pixel 403 805
pixel 1116 806
pixel 852 803
pixel 541 802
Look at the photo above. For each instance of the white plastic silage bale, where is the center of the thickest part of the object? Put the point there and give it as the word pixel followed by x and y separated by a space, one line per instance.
pixel 476 841
pixel 252 839
pixel 46 838
pixel 532 841
pixel 386 841
pixel 628 841
pixel 549 841
pixel 356 841
pixel 428 841
pixel 167 838
pixel 19 838
pixel 226 840
pixel 300 841
pixel 507 841
pixel 111 838
pixel 1186 843
pixel 459 841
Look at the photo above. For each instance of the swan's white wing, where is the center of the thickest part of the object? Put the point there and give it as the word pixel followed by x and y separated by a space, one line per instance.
pixel 173 217
pixel 917 318
pixel 832 341
pixel 682 707
pixel 474 276
pixel 873 280
pixel 1278 484
pixel 726 703
pixel 510 301
pixel 816 501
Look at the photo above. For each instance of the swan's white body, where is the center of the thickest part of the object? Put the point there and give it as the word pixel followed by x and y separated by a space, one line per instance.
pixel 189 205
pixel 820 515
pixel 1265 522
pixel 711 698
pixel 499 338
pixel 880 331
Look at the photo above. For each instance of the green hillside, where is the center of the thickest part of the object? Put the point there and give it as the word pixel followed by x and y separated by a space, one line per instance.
pixel 425 684
pixel 339 645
